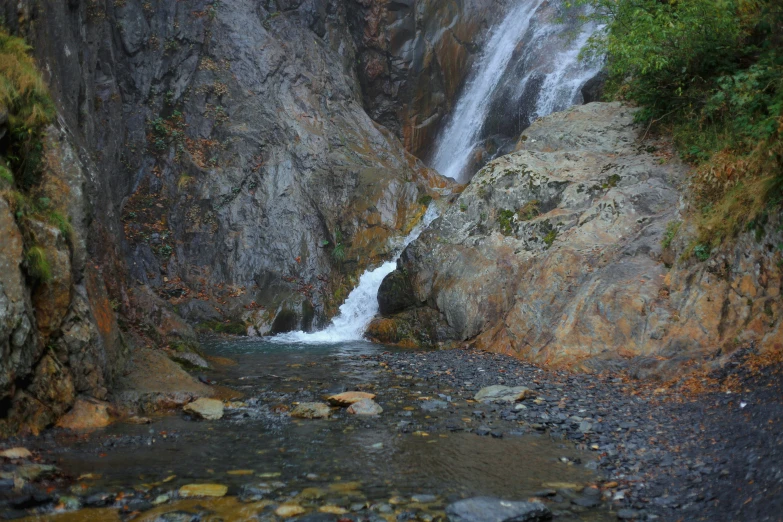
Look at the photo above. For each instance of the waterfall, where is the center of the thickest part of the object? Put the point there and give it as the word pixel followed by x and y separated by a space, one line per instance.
pixel 525 56
pixel 362 303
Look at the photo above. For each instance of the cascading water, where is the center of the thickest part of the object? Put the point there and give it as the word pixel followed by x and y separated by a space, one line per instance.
pixel 548 61
pixel 526 57
pixel 362 303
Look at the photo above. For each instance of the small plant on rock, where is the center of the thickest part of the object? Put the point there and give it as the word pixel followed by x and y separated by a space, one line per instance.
pixel 506 221
pixel 671 230
pixel 37 265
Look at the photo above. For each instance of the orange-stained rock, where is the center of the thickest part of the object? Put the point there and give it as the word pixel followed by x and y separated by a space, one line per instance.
pixel 348 398
pixel 203 490
pixel 86 414
pixel 553 254
pixel 52 298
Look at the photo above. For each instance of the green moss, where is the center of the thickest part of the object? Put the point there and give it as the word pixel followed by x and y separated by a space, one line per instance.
pixel 505 221
pixel 671 230
pixel 6 175
pixel 61 222
pixel 227 327
pixel 550 237
pixel 38 265
pixel 425 200
pixel 611 181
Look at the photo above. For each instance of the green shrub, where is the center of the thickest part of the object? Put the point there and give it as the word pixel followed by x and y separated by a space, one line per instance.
pixel 710 72
pixel 701 252
pixel 30 109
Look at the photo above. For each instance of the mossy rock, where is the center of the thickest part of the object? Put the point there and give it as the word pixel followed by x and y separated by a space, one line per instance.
pixel 396 294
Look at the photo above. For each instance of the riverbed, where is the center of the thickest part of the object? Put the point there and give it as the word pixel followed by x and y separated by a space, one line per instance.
pixel 432 445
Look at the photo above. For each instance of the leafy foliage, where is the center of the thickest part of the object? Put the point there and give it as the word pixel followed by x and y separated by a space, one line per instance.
pixel 711 73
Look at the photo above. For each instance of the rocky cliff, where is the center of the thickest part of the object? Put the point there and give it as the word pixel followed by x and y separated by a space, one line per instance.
pixel 414 56
pixel 571 252
pixel 218 168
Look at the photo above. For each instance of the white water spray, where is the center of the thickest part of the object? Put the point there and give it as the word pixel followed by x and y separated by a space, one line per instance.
pixel 547 57
pixel 362 304
pixel 456 143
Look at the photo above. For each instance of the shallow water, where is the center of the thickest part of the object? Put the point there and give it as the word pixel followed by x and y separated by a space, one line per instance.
pixel 403 452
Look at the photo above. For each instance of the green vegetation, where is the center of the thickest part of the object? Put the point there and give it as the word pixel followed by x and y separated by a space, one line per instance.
pixel 227 327
pixel 23 95
pixel 37 264
pixel 529 210
pixel 506 220
pixel 710 72
pixel 425 200
pixel 671 230
pixel 701 252
pixel 338 253
pixel 611 181
pixel 550 237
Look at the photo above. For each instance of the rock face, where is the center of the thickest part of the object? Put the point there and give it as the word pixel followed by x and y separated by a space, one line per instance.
pixel 251 183
pixel 217 165
pixel 59 336
pixel 487 509
pixel 413 59
pixel 554 254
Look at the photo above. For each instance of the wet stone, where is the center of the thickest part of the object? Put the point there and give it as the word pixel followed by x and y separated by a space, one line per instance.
pixel 207 409
pixel 365 407
pixel 311 410
pixel 488 509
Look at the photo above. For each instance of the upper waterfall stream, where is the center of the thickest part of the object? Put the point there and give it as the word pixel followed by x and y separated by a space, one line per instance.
pixel 530 67
pixel 362 303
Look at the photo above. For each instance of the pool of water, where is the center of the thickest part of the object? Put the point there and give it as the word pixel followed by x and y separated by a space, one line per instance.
pixel 346 459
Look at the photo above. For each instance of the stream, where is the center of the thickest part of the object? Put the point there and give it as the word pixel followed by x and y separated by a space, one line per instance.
pixel 421 453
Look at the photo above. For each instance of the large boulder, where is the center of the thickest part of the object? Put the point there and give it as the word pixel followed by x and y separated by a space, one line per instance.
pixel 544 237
pixel 576 250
